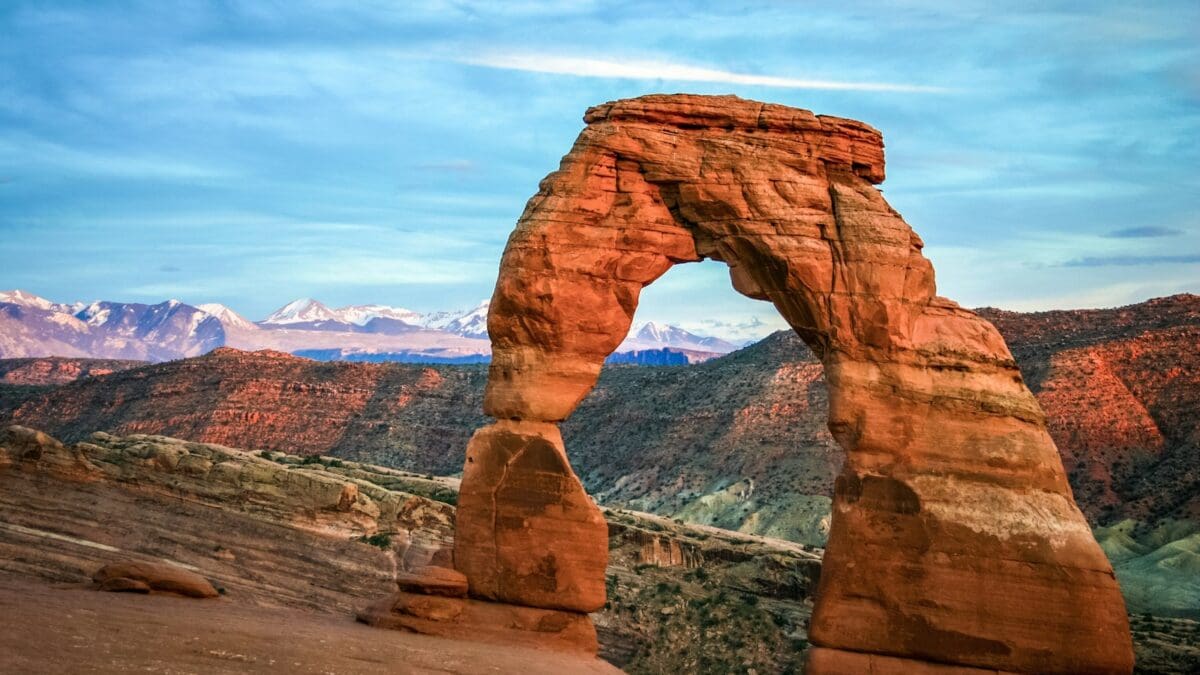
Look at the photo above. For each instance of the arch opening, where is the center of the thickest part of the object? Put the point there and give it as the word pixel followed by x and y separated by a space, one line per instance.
pixel 953 524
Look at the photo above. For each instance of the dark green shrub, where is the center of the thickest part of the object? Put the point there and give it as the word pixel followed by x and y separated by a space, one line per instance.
pixel 380 540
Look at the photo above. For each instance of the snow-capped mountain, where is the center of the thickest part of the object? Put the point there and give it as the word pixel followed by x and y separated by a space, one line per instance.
pixel 653 335
pixel 34 326
pixel 26 299
pixel 304 310
pixel 228 318
pixel 312 314
pixel 471 324
pixel 361 315
pixel 27 331
pixel 167 330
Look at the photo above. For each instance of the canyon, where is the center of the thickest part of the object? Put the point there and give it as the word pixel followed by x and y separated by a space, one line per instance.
pixel 768 463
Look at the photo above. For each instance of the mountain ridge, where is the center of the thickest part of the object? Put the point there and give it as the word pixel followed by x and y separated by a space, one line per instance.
pixel 32 326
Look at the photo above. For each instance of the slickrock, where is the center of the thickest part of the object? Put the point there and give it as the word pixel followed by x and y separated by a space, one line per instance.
pixel 954 539
pixel 482 621
pixel 732 602
pixel 320 535
pixel 136 575
pixel 430 580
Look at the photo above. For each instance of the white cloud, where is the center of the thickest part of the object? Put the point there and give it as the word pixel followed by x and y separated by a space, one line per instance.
pixel 662 70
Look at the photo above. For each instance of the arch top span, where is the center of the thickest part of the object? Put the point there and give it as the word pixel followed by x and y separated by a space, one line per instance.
pixel 783 196
pixel 954 539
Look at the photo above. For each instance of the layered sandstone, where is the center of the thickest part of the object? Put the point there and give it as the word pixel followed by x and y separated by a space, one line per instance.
pixel 58 370
pixel 403 415
pixel 137 576
pixel 955 538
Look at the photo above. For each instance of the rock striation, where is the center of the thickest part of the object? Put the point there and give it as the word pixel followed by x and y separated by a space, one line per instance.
pixel 955 538
pixel 136 576
pixel 57 370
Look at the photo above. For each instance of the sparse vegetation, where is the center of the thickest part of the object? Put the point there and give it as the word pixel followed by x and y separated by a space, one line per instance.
pixel 380 540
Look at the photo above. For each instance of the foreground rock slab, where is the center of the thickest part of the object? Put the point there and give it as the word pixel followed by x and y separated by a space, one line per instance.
pixel 483 621
pixel 54 630
pixel 954 538
pixel 134 576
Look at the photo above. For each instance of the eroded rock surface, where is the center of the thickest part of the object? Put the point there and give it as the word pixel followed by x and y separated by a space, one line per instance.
pixel 480 621
pixel 530 534
pixel 138 576
pixel 954 539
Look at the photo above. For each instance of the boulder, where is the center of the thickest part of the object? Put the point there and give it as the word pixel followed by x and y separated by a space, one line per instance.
pixel 431 580
pixel 526 531
pixel 136 575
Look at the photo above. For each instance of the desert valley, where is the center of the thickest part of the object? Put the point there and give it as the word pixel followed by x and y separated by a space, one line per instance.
pixel 737 528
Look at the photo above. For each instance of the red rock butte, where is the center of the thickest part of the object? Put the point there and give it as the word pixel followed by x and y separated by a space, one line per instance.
pixel 955 544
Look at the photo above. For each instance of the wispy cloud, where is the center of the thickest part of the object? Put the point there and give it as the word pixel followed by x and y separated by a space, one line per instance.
pixel 1147 232
pixel 678 72
pixel 1132 260
pixel 450 165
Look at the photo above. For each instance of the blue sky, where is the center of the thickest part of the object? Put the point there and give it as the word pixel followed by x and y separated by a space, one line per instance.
pixel 251 153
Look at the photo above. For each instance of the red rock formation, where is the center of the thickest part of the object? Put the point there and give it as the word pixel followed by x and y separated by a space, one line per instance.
pixel 533 536
pixel 955 538
pixel 136 576
pixel 408 416
pixel 58 370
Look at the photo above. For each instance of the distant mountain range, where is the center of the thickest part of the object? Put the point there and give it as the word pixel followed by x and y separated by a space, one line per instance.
pixel 32 326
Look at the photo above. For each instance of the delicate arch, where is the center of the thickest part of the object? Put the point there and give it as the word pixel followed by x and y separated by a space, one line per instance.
pixel 955 538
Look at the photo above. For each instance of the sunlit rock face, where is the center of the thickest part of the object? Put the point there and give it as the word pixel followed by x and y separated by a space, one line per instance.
pixel 955 538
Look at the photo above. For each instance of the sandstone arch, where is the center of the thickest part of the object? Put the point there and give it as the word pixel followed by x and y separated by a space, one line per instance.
pixel 955 538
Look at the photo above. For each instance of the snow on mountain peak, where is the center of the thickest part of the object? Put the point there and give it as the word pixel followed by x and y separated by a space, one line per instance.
pixel 27 299
pixel 653 335
pixel 654 332
pixel 301 311
pixel 226 316
pixel 471 324
pixel 95 314
pixel 361 315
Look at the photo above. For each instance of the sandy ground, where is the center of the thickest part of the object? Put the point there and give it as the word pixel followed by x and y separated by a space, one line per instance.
pixel 69 629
